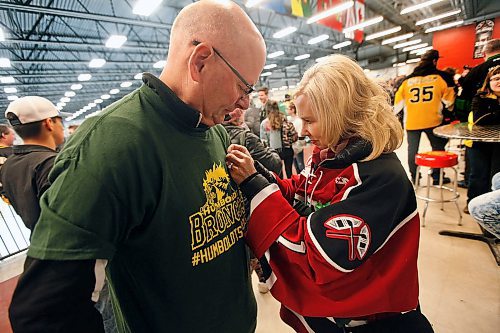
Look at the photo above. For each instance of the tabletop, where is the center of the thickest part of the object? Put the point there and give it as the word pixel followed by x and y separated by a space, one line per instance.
pixel 488 133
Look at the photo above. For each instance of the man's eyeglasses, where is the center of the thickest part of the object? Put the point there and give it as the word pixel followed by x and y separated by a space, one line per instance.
pixel 249 88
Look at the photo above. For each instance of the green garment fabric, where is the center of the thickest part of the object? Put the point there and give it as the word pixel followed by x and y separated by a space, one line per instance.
pixel 146 187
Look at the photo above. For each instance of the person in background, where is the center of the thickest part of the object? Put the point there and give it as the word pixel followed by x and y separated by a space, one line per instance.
pixel 484 157
pixel 279 134
pixel 298 146
pixel 264 99
pixel 252 120
pixel 239 134
pixel 421 96
pixel 7 137
pixel 24 175
pixel 347 260
pixel 72 129
pixel 485 208
pixel 472 80
pixel 142 193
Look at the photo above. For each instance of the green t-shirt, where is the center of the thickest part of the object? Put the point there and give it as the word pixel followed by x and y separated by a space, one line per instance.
pixel 147 189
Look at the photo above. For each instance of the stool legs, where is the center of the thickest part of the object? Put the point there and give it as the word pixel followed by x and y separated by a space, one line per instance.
pixel 427 198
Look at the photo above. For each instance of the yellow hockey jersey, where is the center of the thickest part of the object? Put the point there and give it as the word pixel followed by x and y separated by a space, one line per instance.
pixel 422 99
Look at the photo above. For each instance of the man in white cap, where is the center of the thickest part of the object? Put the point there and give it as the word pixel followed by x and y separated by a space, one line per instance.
pixel 25 173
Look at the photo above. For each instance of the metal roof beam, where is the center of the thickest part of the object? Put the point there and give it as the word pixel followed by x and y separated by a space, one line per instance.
pixel 81 15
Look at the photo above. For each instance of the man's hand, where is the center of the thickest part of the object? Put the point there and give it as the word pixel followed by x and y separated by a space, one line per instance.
pixel 240 163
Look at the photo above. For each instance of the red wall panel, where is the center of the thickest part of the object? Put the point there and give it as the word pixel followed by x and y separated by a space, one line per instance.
pixel 456 45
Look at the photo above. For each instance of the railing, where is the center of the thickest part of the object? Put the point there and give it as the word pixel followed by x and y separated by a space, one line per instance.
pixel 14 236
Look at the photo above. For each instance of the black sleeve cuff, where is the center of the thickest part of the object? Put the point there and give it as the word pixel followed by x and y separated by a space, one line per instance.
pixel 264 172
pixel 253 185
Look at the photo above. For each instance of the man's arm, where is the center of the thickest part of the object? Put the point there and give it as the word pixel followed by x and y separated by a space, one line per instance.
pixel 56 296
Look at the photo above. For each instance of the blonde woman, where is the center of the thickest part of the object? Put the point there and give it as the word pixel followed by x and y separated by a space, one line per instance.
pixel 340 239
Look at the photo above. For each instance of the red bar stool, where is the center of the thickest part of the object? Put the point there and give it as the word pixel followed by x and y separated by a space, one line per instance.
pixel 437 160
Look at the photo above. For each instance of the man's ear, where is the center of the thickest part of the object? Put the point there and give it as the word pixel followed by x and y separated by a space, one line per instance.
pixel 198 60
pixel 48 124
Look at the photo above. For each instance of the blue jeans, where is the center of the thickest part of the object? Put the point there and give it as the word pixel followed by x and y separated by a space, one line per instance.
pixel 485 209
pixel 484 163
pixel 413 138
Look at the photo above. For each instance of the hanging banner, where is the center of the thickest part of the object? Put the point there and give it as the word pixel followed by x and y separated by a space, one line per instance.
pixel 308 8
pixel 484 30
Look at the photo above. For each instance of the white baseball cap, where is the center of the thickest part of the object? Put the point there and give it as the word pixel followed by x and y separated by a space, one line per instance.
pixel 31 109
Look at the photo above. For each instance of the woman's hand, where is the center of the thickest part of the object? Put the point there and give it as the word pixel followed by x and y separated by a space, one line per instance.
pixel 240 163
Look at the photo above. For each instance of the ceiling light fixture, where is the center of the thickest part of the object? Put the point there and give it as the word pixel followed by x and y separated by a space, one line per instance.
pixel 76 86
pixel 116 41
pixel 383 33
pixel 444 26
pixel 65 99
pixel 69 94
pixel 414 47
pixel 146 7
pixel 438 17
pixel 341 45
pixel 419 6
pixel 138 76
pixel 270 66
pixel 2 36
pixel 160 64
pixel 12 97
pixel 7 79
pixel 275 54
pixel 397 38
pixel 114 91
pixel 399 64
pixel 321 59
pixel 410 42
pixel 10 90
pixel 84 77
pixel 302 56
pixel 363 24
pixel 253 3
pixel 318 39
pixel 125 84
pixel 266 73
pixel 97 63
pixel 411 61
pixel 105 96
pixel 422 50
pixel 4 62
pixel 330 12
pixel 284 32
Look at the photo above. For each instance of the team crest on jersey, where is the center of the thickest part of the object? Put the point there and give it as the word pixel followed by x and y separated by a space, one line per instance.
pixel 353 230
pixel 219 223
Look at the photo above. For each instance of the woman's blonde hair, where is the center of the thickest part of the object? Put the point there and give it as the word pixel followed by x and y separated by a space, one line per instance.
pixel 273 113
pixel 348 104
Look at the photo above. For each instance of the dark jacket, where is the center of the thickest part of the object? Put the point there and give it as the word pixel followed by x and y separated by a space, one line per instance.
pixel 485 110
pixel 268 157
pixel 252 119
pixel 24 177
pixel 475 78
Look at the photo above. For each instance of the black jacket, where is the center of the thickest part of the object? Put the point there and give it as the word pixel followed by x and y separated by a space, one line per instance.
pixel 268 157
pixel 24 177
pixel 475 79
pixel 485 110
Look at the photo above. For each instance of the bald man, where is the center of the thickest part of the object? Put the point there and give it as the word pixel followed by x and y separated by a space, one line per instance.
pixel 142 194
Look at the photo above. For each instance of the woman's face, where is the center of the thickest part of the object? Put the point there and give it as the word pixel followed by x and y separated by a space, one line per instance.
pixel 310 122
pixel 495 84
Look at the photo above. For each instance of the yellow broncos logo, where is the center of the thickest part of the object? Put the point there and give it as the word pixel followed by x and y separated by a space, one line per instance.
pixel 215 184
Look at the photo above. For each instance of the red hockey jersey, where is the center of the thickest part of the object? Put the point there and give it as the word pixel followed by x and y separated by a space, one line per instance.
pixel 355 255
